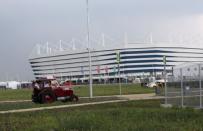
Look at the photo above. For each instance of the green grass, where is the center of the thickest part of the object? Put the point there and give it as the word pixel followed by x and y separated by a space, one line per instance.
pixel 98 90
pixel 133 115
pixel 112 89
pixel 20 94
pixel 25 105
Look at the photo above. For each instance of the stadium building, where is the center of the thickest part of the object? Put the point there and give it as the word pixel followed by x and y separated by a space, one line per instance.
pixel 136 60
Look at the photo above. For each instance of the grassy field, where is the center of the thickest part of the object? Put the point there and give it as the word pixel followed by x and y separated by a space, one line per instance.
pixel 124 116
pixel 98 90
pixel 20 94
pixel 112 89
pixel 25 105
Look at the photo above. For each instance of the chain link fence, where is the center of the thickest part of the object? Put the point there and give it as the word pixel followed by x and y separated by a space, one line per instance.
pixel 184 86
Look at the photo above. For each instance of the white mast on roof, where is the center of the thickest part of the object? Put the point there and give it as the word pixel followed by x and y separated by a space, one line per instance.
pixel 47 44
pixel 103 40
pixel 151 38
pixel 38 49
pixel 73 41
pixel 125 39
pixel 60 45
pixel 50 50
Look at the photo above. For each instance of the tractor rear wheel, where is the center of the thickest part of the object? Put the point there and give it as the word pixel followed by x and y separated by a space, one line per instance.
pixel 47 97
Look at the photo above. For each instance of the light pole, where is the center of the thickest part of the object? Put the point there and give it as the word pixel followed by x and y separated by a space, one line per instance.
pixel 119 73
pixel 165 86
pixel 89 52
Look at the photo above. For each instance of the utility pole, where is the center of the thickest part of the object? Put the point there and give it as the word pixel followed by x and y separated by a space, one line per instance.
pixel 200 86
pixel 89 52
pixel 165 86
pixel 119 73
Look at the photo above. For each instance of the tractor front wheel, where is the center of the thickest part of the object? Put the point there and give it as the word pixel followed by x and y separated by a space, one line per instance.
pixel 74 98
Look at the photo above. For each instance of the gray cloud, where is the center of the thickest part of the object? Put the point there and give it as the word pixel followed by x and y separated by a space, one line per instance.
pixel 23 23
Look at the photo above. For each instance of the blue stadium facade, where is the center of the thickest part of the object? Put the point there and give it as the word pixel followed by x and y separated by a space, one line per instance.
pixel 135 61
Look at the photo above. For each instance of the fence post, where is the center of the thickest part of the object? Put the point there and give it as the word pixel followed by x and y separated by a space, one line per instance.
pixel 182 95
pixel 200 86
pixel 165 86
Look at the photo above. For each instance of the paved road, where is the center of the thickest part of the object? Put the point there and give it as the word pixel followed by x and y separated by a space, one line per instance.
pixel 124 98
pixel 12 101
pixel 141 96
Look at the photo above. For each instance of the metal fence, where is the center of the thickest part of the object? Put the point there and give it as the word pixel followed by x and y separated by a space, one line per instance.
pixel 184 86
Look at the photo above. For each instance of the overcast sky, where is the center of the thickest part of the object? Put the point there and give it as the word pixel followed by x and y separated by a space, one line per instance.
pixel 23 23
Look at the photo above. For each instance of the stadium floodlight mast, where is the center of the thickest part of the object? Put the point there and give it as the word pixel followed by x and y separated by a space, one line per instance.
pixel 89 51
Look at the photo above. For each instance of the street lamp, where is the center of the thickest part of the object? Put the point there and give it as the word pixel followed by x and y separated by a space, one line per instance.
pixel 89 52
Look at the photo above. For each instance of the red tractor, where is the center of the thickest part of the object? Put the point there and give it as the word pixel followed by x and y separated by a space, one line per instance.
pixel 48 90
